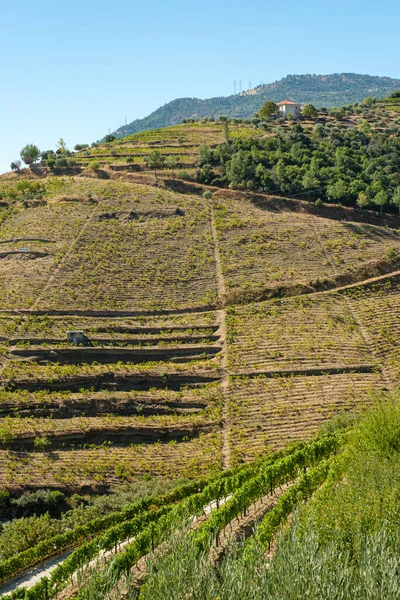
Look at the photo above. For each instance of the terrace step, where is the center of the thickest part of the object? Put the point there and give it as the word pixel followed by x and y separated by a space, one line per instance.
pixel 116 437
pixel 137 341
pixel 328 370
pixel 115 382
pixel 109 355
pixel 91 406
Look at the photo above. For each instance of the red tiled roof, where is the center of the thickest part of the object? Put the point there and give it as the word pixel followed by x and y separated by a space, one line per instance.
pixel 287 102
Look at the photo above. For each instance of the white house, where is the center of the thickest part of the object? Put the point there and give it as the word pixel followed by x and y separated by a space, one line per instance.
pixel 288 107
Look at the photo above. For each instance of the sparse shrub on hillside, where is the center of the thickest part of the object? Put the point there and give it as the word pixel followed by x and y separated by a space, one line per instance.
pixel 78 147
pixel 207 195
pixel 61 163
pixel 62 146
pixel 392 253
pixel 95 166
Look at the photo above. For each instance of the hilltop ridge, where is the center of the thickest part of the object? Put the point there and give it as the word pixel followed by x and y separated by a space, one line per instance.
pixel 321 90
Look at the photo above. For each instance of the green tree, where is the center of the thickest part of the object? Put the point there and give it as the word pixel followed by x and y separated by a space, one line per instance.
pixel 205 155
pixel 225 131
pixel 62 146
pixel 380 199
pixel 309 111
pixel 155 160
pixel 30 154
pixel 171 162
pixel 338 190
pixel 362 200
pixel 109 138
pixel 396 198
pixel 269 109
pixel 237 168
pixel 309 182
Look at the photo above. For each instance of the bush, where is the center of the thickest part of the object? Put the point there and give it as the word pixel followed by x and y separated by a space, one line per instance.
pixel 392 253
pixel 207 195
pixel 44 499
pixel 319 203
pixel 95 166
pixel 60 163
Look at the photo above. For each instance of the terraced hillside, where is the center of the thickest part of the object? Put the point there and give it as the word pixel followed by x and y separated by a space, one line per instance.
pixel 189 362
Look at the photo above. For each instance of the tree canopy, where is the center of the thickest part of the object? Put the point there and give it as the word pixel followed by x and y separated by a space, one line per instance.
pixel 30 154
pixel 269 109
pixel 356 166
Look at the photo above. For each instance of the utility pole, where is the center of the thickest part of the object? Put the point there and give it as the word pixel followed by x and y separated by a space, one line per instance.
pixel 240 86
pixel 249 84
pixel 234 87
pixel 126 121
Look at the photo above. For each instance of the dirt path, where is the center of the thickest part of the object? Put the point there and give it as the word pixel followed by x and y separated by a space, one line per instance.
pixel 34 575
pixel 221 319
pixel 350 286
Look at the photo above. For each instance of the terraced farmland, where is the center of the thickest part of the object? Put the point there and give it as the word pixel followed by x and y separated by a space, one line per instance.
pixel 266 413
pixel 180 142
pixel 296 334
pixel 378 307
pixel 139 397
pixel 263 249
pixel 136 249
pixel 181 372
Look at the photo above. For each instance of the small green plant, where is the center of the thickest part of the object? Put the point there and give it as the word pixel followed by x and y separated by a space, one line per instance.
pixel 95 166
pixel 392 253
pixel 41 444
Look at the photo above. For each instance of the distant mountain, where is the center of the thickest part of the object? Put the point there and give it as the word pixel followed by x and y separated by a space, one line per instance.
pixel 320 90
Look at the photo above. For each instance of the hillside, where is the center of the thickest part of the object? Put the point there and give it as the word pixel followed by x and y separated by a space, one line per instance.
pixel 223 325
pixel 320 90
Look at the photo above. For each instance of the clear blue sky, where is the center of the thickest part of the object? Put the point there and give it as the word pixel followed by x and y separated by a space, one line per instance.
pixel 75 69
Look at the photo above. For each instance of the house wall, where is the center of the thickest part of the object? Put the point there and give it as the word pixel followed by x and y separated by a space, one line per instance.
pixel 290 109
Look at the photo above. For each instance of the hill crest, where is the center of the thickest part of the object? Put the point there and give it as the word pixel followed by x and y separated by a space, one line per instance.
pixel 321 90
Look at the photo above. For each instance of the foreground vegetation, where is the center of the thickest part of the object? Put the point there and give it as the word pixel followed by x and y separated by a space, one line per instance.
pixel 343 543
pixel 341 492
